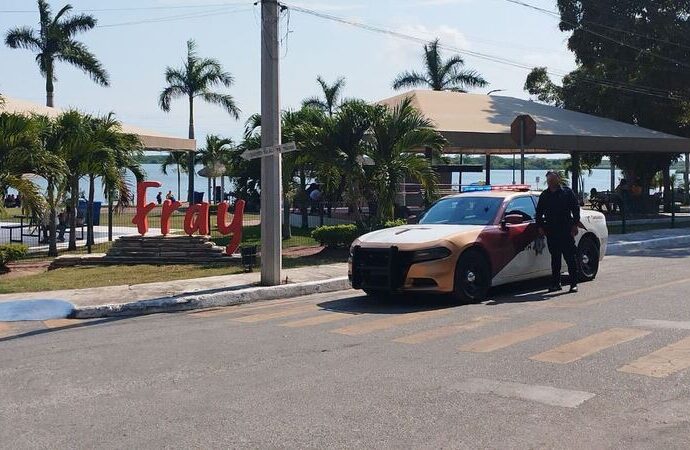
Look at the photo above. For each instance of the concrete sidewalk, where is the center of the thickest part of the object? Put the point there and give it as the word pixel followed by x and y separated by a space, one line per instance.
pixel 149 291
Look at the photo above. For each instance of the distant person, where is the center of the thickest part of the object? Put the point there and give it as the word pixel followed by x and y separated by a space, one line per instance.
pixel 63 220
pixel 159 198
pixel 170 196
pixel 315 197
pixel 18 201
pixel 558 218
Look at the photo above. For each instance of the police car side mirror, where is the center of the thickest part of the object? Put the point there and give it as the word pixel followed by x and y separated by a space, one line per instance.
pixel 512 219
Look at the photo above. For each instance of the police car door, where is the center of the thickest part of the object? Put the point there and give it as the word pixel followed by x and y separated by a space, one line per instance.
pixel 521 239
pixel 543 262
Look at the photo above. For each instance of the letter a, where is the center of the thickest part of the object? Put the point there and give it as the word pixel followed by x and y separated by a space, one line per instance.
pixel 235 227
pixel 141 219
pixel 196 219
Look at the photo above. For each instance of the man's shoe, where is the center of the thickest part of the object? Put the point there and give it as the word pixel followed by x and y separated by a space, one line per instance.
pixel 573 289
pixel 556 288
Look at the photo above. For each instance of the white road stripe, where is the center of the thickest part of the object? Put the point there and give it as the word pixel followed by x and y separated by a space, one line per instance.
pixel 546 395
pixel 664 324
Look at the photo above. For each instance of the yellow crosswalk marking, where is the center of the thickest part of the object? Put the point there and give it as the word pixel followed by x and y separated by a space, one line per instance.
pixel 318 320
pixel 514 337
pixel 663 362
pixel 60 323
pixel 389 322
pixel 448 330
pixel 576 350
pixel 5 329
pixel 286 312
pixel 221 311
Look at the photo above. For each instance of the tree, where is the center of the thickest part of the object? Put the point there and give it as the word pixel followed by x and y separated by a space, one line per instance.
pixel 197 78
pixel 397 137
pixel 540 85
pixel 632 67
pixel 54 41
pixel 440 75
pixel 214 156
pixel 331 96
pixel 21 153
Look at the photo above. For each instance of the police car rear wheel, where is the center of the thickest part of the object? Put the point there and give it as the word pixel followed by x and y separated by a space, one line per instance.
pixel 588 264
pixel 472 277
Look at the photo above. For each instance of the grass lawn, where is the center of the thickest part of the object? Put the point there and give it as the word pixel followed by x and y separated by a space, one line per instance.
pixel 86 277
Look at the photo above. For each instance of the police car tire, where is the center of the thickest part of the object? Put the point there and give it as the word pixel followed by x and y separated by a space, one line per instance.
pixel 587 248
pixel 475 262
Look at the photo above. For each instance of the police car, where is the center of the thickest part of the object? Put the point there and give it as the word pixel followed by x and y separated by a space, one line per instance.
pixel 466 243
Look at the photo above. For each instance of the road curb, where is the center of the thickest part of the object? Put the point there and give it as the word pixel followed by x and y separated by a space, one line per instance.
pixel 664 242
pixel 216 299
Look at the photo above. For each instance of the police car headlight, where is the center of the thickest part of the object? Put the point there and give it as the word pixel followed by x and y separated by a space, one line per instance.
pixel 430 254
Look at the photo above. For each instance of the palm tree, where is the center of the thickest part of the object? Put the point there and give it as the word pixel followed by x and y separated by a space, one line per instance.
pixel 196 78
pixel 179 160
pixel 214 156
pixel 112 153
pixel 54 41
pixel 440 75
pixel 397 135
pixel 341 139
pixel 331 96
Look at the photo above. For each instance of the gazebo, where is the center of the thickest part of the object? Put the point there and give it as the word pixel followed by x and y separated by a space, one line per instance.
pixel 151 140
pixel 481 124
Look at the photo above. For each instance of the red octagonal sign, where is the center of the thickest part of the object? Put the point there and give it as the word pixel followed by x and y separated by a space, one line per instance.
pixel 530 129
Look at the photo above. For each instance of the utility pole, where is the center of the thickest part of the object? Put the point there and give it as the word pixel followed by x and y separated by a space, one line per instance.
pixel 271 183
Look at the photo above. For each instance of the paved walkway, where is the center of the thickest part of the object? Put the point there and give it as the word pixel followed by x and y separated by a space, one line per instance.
pixel 149 291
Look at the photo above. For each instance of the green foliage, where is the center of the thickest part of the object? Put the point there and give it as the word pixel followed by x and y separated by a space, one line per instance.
pixel 394 223
pixel 10 253
pixel 439 74
pixel 336 235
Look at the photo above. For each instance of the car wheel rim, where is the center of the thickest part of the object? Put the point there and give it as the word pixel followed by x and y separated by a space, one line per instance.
pixel 472 282
pixel 588 261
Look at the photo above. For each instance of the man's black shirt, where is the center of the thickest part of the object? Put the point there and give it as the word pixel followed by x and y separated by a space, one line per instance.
pixel 558 211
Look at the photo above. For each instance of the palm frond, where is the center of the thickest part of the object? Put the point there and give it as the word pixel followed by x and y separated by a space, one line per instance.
pixel 78 24
pixel 410 80
pixel 23 37
pixel 225 101
pixel 79 56
pixel 168 94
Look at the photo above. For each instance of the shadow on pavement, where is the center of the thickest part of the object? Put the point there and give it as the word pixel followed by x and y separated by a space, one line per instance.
pixel 394 304
pixel 77 324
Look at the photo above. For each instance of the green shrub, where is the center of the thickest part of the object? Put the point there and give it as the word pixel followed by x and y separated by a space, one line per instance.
pixel 395 223
pixel 11 252
pixel 336 235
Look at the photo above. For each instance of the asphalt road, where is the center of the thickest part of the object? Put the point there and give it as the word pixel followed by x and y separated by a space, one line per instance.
pixel 606 368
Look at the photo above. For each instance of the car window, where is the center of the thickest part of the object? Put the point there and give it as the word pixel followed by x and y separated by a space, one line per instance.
pixel 523 206
pixel 463 211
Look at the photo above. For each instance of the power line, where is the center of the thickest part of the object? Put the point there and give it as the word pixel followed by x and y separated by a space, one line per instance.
pixel 186 16
pixel 644 90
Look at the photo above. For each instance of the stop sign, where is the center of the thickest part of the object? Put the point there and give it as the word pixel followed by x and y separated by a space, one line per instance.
pixel 530 129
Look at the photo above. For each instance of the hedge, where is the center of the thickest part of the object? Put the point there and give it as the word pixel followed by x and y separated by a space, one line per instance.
pixel 11 252
pixel 334 236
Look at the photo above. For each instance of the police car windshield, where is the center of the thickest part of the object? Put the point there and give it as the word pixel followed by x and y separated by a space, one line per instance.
pixel 463 211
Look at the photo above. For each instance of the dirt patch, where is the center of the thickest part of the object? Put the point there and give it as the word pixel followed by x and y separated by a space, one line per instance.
pixel 18 270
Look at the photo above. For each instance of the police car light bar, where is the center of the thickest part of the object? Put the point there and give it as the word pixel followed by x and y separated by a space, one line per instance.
pixel 497 187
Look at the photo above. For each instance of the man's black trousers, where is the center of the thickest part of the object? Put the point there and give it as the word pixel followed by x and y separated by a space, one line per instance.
pixel 562 246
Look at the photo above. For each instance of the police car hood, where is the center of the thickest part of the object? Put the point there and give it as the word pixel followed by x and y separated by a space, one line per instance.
pixel 416 234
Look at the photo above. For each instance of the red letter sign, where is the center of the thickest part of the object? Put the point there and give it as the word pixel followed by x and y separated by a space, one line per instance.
pixel 168 208
pixel 196 219
pixel 141 219
pixel 235 226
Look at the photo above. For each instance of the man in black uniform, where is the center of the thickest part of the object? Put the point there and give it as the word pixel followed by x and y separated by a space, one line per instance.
pixel 558 216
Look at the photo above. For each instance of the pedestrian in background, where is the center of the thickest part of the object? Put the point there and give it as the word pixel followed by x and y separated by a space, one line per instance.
pixel 558 218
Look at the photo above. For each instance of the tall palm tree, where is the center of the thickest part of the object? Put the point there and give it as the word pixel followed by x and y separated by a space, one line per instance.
pixel 179 160
pixel 54 41
pixel 440 75
pixel 196 78
pixel 331 96
pixel 397 137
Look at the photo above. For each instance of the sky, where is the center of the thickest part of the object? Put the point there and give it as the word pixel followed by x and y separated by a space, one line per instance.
pixel 136 45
